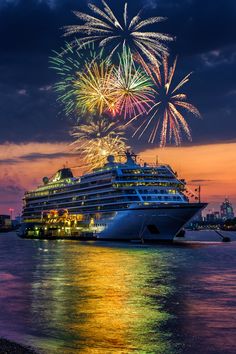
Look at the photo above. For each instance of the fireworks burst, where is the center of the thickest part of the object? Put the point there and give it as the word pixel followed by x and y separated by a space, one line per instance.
pixel 98 139
pixel 68 64
pixel 92 88
pixel 132 87
pixel 104 27
pixel 139 87
pixel 165 115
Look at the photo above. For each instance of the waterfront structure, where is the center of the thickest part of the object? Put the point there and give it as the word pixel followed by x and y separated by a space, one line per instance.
pixel 226 210
pixel 5 222
pixel 213 216
pixel 118 201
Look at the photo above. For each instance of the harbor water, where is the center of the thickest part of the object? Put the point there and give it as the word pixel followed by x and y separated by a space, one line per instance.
pixel 101 297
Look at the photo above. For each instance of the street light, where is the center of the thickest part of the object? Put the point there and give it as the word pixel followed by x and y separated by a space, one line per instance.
pixel 11 211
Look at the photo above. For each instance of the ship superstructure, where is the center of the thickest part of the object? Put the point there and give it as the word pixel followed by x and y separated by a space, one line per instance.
pixel 118 201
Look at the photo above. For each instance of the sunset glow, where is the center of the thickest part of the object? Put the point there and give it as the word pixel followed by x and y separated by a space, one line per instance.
pixel 212 166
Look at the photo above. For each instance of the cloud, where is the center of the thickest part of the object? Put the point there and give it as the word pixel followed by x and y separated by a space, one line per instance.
pixel 219 58
pixel 9 161
pixel 201 180
pixel 11 189
pixel 24 165
pixel 151 4
pixel 34 151
pixel 39 156
pixel 22 92
pixel 45 88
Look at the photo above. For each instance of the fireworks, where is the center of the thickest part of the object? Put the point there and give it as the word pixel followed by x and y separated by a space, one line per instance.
pixel 132 87
pixel 68 64
pixel 92 88
pixel 98 139
pixel 91 84
pixel 134 84
pixel 104 27
pixel 165 114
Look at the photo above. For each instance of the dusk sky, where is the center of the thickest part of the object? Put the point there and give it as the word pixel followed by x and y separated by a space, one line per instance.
pixel 34 138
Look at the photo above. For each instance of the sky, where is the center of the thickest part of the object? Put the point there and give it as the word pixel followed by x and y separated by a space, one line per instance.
pixel 34 134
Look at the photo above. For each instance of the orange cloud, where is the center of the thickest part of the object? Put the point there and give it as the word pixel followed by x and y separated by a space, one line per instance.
pixel 211 166
pixel 23 166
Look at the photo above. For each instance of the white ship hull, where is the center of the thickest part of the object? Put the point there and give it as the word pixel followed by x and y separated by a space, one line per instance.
pixel 157 223
pixel 154 223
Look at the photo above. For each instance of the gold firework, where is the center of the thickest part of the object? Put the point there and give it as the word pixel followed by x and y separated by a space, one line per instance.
pixel 98 139
pixel 92 88
pixel 165 114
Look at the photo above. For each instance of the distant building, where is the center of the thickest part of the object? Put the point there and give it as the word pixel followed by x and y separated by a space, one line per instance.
pixel 210 217
pixel 16 222
pixel 217 215
pixel 226 210
pixel 5 222
pixel 213 216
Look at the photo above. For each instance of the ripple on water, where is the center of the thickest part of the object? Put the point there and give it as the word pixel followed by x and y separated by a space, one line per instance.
pixel 71 297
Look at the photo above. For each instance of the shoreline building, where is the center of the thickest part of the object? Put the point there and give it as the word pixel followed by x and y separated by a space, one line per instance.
pixel 213 216
pixel 5 222
pixel 226 210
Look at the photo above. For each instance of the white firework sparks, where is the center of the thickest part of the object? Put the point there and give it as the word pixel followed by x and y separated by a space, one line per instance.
pixel 104 27
pixel 165 115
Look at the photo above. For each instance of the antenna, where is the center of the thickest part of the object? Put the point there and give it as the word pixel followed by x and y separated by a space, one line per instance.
pixel 157 162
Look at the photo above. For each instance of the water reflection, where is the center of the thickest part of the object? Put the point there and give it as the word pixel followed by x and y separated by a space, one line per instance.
pixel 69 297
pixel 98 299
pixel 207 317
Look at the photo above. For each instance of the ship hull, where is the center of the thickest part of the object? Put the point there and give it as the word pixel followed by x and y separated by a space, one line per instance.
pixel 159 223
pixel 149 223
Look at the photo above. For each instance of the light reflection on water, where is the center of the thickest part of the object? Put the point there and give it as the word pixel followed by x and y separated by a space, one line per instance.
pixel 101 298
pixel 69 297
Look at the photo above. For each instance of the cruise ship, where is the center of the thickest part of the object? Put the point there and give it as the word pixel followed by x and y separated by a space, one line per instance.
pixel 119 201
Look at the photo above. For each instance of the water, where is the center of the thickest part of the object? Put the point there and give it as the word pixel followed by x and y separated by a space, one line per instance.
pixel 70 297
